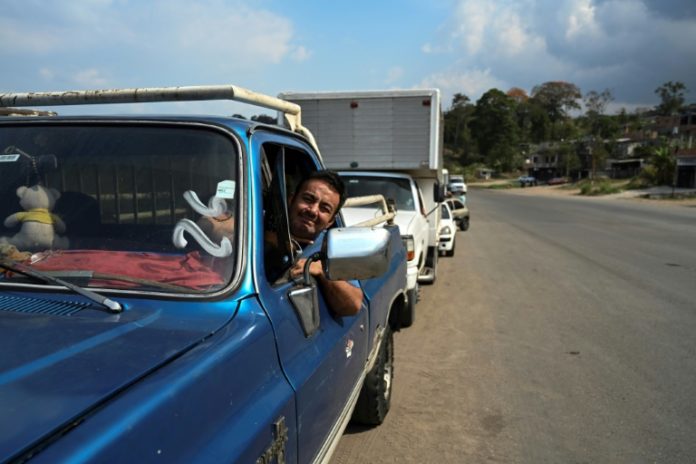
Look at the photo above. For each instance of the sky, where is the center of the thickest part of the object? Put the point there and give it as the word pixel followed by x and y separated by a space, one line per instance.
pixel 630 47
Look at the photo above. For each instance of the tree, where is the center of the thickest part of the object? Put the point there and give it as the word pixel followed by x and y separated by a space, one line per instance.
pixel 518 94
pixel 599 126
pixel 672 96
pixel 569 159
pixel 459 100
pixel 496 130
pixel 537 127
pixel 458 141
pixel 264 118
pixel 596 102
pixel 665 164
pixel 557 98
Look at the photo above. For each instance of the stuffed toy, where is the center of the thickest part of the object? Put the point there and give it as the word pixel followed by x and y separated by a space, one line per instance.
pixel 12 253
pixel 38 224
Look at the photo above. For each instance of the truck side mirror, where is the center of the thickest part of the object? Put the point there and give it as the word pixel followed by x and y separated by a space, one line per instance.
pixel 438 192
pixel 356 253
pixel 348 253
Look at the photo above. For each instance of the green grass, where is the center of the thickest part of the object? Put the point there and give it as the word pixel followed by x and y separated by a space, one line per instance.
pixel 600 187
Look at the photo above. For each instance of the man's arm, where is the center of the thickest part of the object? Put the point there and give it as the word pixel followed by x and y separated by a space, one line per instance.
pixel 343 298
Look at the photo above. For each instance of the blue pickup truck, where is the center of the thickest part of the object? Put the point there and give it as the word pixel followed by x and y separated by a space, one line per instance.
pixel 130 332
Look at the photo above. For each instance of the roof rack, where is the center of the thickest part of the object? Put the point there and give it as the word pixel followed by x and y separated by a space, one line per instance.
pixel 291 111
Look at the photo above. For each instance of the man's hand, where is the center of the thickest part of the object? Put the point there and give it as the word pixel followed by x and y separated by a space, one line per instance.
pixel 343 298
pixel 315 269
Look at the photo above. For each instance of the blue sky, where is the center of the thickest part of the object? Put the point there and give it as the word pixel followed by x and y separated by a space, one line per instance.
pixel 469 46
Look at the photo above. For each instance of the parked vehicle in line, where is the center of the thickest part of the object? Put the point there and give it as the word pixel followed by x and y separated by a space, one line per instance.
pixel 410 216
pixel 456 185
pixel 460 212
pixel 448 231
pixel 143 336
pixel 557 181
pixel 527 181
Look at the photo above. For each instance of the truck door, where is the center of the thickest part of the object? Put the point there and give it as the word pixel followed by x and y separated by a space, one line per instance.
pixel 324 366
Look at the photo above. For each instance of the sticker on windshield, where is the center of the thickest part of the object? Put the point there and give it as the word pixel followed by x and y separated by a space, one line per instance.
pixel 9 158
pixel 225 189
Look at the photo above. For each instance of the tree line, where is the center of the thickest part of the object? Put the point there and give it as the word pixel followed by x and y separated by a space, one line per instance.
pixel 497 130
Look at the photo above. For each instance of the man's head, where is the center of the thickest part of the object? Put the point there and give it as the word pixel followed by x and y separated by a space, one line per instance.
pixel 315 203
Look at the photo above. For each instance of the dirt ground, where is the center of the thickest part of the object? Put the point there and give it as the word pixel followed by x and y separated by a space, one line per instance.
pixel 487 374
pixel 569 190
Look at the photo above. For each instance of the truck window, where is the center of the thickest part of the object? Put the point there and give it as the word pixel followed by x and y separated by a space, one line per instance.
pixel 286 168
pixel 394 188
pixel 116 195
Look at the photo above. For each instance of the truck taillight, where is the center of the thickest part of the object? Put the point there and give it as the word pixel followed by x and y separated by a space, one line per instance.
pixel 410 246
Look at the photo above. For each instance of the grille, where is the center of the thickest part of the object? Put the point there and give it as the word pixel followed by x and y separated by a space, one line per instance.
pixel 39 306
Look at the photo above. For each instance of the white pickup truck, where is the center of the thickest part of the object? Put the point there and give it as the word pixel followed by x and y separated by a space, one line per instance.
pixel 405 195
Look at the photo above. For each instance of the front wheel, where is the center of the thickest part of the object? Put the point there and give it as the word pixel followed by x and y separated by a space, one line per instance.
pixel 450 253
pixel 375 397
pixel 408 313
pixel 464 224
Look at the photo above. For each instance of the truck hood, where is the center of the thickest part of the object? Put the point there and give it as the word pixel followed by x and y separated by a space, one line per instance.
pixel 58 365
pixel 354 215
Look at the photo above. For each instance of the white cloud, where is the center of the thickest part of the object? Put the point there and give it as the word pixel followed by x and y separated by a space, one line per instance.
pixel 471 83
pixel 511 35
pixel 46 74
pixel 90 78
pixel 394 74
pixel 473 18
pixel 581 20
pixel 300 54
pixel 596 44
pixel 230 31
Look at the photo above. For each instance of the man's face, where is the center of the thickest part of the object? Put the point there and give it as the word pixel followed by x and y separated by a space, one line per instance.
pixel 312 210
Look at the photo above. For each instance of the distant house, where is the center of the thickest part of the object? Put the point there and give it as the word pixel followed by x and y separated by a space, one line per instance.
pixel 685 134
pixel 624 164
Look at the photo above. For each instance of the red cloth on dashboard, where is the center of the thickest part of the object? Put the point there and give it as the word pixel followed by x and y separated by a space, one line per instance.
pixel 187 270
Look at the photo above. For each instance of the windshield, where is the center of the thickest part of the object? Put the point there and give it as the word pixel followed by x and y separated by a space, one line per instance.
pixel 445 212
pixel 394 188
pixel 120 206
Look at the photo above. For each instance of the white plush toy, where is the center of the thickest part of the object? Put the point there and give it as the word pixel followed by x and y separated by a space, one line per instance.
pixel 39 225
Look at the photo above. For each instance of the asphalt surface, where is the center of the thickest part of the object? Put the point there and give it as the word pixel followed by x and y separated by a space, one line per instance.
pixel 562 331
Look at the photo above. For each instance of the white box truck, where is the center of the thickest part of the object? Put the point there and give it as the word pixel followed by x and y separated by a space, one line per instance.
pixel 380 142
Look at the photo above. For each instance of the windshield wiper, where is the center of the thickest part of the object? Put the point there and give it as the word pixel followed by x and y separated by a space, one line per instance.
pixel 13 266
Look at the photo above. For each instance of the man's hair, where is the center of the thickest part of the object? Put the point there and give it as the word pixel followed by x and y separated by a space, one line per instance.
pixel 330 177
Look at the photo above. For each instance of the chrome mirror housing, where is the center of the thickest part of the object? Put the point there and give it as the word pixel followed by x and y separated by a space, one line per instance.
pixel 356 253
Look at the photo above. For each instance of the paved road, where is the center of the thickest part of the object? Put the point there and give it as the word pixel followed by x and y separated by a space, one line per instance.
pixel 562 331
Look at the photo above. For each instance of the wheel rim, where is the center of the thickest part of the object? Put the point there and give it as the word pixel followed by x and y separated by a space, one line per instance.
pixel 388 372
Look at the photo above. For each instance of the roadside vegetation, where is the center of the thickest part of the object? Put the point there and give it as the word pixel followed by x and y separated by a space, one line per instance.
pixel 504 132
pixel 599 187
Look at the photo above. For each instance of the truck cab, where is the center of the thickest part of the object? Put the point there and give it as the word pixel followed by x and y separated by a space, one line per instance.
pixel 147 311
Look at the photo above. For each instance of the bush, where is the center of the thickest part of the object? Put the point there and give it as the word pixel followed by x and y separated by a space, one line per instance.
pixel 598 187
pixel 638 182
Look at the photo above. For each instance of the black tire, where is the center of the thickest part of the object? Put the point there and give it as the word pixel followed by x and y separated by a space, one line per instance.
pixel 375 397
pixel 431 262
pixel 450 253
pixel 464 224
pixel 408 313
